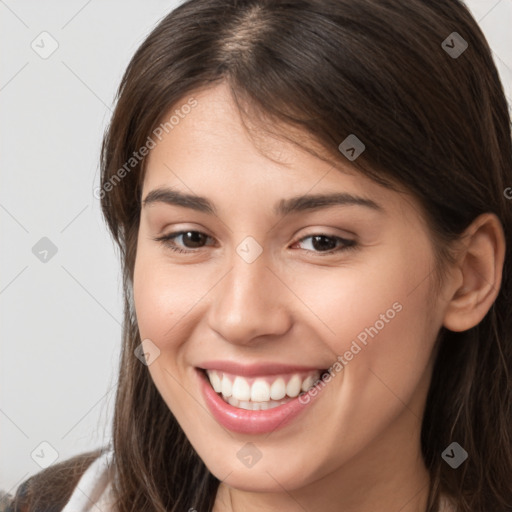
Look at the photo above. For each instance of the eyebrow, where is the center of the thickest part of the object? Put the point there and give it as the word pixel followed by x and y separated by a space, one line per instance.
pixel 283 207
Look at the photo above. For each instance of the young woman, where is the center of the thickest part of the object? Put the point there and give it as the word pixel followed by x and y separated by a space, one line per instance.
pixel 312 205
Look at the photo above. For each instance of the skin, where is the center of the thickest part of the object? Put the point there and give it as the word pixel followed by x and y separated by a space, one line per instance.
pixel 357 447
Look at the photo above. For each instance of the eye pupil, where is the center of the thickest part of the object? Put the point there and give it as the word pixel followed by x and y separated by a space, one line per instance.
pixel 194 237
pixel 318 242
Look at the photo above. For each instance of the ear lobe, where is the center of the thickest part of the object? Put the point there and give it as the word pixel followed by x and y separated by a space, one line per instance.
pixel 480 265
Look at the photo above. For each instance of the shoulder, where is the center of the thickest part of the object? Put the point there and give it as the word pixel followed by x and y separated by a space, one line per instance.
pixel 51 489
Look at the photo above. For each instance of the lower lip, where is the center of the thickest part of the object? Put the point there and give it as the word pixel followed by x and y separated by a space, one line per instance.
pixel 250 422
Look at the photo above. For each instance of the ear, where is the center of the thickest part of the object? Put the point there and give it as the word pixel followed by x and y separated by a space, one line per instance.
pixel 480 266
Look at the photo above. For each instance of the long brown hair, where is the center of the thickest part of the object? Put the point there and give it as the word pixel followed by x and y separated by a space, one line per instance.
pixel 433 122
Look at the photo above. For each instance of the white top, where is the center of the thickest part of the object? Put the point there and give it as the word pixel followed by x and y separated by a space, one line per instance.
pixel 93 491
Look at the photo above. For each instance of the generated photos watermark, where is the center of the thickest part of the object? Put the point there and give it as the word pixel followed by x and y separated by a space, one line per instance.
pixel 143 151
pixel 348 355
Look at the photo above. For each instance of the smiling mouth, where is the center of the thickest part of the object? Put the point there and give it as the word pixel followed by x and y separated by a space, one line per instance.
pixel 261 393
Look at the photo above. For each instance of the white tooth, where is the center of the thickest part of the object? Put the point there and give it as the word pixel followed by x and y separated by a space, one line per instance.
pixel 255 406
pixel 293 386
pixel 226 387
pixel 260 391
pixel 245 405
pixel 233 401
pixel 308 383
pixel 278 389
pixel 241 389
pixel 214 380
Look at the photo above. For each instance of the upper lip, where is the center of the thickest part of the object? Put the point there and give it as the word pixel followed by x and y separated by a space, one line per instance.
pixel 254 369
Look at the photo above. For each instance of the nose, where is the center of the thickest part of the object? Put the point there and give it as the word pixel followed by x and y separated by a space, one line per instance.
pixel 249 303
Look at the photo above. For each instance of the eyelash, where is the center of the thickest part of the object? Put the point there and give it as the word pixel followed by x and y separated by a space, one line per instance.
pixel 167 240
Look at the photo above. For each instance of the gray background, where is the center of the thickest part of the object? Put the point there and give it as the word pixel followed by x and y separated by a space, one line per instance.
pixel 60 318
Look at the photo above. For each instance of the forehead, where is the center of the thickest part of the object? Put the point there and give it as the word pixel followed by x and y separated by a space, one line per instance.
pixel 211 150
pixel 216 129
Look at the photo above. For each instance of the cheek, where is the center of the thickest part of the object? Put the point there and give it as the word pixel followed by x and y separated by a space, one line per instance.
pixel 374 315
pixel 164 304
pixel 345 303
pixel 374 318
pixel 164 297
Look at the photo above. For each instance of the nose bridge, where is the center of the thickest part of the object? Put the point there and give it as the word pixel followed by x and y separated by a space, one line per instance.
pixel 249 301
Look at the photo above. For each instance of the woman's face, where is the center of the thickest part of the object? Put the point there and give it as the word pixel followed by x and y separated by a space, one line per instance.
pixel 269 291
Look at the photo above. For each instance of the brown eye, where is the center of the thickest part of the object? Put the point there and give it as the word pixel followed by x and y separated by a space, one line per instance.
pixel 193 239
pixel 327 244
pixel 323 243
pixel 190 240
